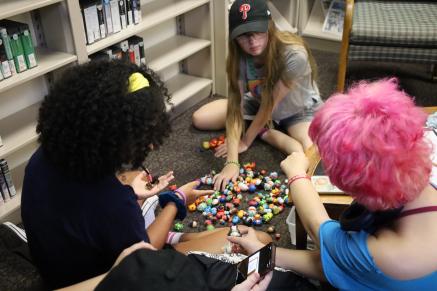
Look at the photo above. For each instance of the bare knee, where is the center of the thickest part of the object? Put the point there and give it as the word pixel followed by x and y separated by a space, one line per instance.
pixel 197 119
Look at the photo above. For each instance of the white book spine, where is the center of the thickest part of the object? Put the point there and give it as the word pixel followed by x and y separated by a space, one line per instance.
pixel 115 14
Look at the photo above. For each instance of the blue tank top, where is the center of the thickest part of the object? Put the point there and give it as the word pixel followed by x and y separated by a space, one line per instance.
pixel 348 265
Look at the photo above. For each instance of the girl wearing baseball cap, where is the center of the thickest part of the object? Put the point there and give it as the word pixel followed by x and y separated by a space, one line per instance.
pixel 272 82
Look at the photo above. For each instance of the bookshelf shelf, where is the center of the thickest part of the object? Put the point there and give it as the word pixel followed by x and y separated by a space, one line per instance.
pixel 10 8
pixel 24 130
pixel 48 61
pixel 152 14
pixel 10 206
pixel 183 86
pixel 314 26
pixel 173 50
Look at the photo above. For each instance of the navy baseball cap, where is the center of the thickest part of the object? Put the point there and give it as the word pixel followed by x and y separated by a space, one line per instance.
pixel 248 16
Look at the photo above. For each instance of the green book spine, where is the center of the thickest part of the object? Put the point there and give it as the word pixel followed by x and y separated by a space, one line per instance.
pixel 18 52
pixel 7 43
pixel 29 51
pixel 5 71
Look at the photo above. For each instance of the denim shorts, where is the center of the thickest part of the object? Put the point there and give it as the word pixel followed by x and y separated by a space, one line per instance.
pixel 251 106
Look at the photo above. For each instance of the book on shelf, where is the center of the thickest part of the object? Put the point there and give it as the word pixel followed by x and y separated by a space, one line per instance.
pixel 91 20
pixel 115 15
pixel 108 18
pixel 129 13
pixel 12 33
pixel 122 9
pixel 131 49
pixel 101 18
pixel 7 45
pixel 136 44
pixel 6 180
pixel 323 185
pixel 136 7
pixel 334 18
pixel 28 48
pixel 5 70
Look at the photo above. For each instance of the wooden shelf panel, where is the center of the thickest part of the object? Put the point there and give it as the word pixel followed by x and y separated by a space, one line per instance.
pixel 173 50
pixel 24 132
pixel 152 14
pixel 314 25
pixel 47 61
pixel 10 8
pixel 183 86
pixel 6 208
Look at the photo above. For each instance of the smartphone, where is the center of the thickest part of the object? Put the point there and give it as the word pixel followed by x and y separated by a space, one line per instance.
pixel 262 261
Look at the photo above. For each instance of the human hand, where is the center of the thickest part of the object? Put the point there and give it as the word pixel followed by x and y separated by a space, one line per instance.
pixel 230 172
pixel 131 249
pixel 191 193
pixel 295 164
pixel 139 184
pixel 222 150
pixel 253 283
pixel 248 240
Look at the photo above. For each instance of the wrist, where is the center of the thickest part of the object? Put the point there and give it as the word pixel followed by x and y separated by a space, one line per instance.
pixel 181 195
pixel 170 197
pixel 233 163
pixel 297 177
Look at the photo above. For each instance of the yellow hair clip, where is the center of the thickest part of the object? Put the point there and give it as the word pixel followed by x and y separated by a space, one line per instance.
pixel 136 82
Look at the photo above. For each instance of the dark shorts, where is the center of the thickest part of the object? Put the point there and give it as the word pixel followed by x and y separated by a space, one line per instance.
pixel 251 106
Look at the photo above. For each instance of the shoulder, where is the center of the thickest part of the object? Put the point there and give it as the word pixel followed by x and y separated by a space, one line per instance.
pixel 418 253
pixel 296 60
pixel 295 53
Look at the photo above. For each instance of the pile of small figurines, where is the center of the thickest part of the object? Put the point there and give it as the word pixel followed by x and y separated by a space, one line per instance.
pixel 266 196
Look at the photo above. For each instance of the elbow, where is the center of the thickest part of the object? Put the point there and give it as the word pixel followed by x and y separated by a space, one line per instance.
pixel 317 259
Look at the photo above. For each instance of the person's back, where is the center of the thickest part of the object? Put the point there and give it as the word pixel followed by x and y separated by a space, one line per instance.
pixel 76 230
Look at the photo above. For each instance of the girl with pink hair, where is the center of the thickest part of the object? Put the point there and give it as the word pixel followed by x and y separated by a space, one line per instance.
pixel 371 142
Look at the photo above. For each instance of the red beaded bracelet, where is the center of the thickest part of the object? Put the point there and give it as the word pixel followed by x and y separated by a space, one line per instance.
pixel 297 177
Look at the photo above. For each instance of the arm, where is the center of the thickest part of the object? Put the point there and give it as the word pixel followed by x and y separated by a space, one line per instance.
pixel 306 199
pixel 307 263
pixel 261 117
pixel 159 229
pixel 87 285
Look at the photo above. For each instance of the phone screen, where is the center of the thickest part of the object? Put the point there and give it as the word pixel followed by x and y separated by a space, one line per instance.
pixel 261 261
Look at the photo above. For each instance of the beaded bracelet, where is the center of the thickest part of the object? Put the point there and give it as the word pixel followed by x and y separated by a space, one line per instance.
pixel 180 192
pixel 297 177
pixel 232 162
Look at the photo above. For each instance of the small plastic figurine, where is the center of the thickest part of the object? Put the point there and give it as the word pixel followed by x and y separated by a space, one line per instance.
pixel 178 227
pixel 232 248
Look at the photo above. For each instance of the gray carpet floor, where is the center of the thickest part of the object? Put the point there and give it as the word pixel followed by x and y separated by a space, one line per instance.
pixel 181 151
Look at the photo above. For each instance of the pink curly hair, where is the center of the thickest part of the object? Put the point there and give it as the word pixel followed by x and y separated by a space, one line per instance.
pixel 372 146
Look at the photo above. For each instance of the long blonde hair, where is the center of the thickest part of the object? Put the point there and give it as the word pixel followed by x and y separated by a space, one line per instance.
pixel 274 72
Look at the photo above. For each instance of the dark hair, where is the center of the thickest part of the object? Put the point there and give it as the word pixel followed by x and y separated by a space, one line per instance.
pixel 90 125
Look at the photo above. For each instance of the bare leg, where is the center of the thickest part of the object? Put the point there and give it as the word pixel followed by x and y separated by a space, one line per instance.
pixel 300 133
pixel 211 116
pixel 213 242
pixel 196 235
pixel 282 141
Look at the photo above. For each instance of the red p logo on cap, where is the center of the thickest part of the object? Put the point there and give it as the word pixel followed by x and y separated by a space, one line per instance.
pixel 244 8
